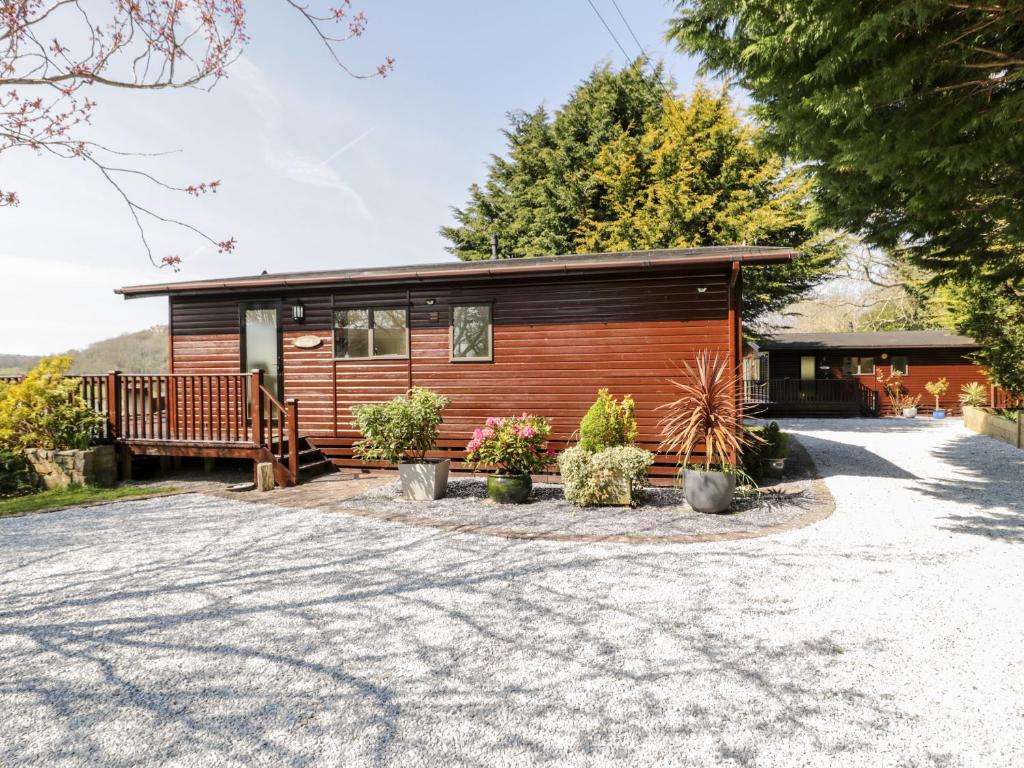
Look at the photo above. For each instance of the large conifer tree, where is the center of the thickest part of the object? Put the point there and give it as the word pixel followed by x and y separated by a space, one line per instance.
pixel 627 164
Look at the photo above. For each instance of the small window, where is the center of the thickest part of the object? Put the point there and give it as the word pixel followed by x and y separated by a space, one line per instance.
pixel 471 332
pixel 859 366
pixel 369 333
pixel 899 364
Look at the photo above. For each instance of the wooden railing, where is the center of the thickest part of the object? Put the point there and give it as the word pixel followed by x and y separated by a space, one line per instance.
pixel 275 426
pixel 812 391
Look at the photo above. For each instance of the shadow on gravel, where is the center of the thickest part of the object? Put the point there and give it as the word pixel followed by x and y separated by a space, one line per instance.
pixel 290 638
pixel 866 463
pixel 998 490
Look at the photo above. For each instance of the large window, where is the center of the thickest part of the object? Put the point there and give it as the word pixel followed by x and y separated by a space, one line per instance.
pixel 471 332
pixel 859 366
pixel 368 333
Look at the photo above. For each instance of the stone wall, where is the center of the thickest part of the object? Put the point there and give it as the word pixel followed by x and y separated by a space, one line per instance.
pixel 59 469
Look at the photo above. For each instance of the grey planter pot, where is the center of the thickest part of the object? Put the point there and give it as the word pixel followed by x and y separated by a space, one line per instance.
pixel 424 481
pixel 910 413
pixel 709 492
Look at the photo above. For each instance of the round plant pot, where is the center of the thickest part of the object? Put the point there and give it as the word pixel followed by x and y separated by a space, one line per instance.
pixel 424 480
pixel 709 492
pixel 938 414
pixel 509 489
pixel 910 413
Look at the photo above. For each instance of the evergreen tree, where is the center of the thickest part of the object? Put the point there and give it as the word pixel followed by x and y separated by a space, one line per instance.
pixel 625 165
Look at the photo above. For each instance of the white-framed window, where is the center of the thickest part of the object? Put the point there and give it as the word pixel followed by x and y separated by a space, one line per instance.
pixel 859 366
pixel 900 364
pixel 363 333
pixel 471 333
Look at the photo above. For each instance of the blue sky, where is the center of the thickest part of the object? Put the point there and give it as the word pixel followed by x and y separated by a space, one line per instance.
pixel 318 170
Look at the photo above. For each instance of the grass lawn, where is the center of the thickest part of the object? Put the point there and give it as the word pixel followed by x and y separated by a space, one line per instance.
pixel 59 498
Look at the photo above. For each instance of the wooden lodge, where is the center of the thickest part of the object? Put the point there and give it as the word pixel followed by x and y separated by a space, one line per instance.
pixel 268 367
pixel 836 374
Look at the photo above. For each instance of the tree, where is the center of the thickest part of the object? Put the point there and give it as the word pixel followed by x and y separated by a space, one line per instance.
pixel 910 113
pixel 56 54
pixel 627 165
pixel 994 318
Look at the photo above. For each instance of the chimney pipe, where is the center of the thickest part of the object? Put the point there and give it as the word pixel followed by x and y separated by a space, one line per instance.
pixel 849 326
pixel 494 245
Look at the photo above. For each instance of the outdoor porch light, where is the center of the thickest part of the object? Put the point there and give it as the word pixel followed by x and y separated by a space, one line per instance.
pixel 298 312
pixel 431 301
pixel 702 289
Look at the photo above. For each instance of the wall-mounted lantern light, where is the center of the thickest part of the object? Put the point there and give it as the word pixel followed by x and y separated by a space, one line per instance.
pixel 702 289
pixel 431 302
pixel 298 312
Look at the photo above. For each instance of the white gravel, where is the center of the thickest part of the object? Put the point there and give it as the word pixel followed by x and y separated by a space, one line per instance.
pixel 189 631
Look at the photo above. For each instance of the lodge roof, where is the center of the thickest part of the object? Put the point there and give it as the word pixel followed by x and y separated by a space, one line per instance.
pixel 867 340
pixel 483 269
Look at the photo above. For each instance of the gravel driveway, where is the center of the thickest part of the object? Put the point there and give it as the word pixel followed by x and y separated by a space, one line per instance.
pixel 192 631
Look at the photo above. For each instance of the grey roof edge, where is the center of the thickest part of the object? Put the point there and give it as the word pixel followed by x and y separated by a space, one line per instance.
pixel 867 340
pixel 480 268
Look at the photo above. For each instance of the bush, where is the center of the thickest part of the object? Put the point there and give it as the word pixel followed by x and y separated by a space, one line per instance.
pixel 15 478
pixel 516 445
pixel 973 394
pixel 590 479
pixel 45 410
pixel 406 425
pixel 608 423
pixel 769 442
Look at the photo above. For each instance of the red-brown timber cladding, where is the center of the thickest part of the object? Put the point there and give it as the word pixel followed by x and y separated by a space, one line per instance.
pixel 923 365
pixel 557 340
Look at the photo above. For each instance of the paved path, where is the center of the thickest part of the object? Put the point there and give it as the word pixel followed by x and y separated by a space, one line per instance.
pixel 204 632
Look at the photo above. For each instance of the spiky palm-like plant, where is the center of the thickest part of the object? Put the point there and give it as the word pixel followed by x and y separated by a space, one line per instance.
pixel 705 413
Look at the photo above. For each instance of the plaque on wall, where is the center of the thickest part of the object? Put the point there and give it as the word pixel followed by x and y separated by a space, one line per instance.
pixel 307 342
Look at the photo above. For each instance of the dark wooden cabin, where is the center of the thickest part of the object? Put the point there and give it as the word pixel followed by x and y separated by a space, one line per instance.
pixel 824 374
pixel 497 337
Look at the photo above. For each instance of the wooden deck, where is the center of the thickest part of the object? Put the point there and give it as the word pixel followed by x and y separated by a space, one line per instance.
pixel 228 415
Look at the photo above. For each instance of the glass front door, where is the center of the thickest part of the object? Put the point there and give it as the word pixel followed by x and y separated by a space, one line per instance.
pixel 262 346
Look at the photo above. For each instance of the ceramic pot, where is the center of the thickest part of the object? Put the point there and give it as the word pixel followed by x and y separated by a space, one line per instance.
pixel 709 492
pixel 938 413
pixel 910 413
pixel 509 489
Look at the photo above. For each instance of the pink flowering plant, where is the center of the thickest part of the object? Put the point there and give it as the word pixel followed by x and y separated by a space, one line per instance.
pixel 516 445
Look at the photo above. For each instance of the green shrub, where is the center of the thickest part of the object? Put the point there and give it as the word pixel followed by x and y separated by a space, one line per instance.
pixel 45 410
pixel 590 479
pixel 15 478
pixel 608 423
pixel 405 426
pixel 770 443
pixel 973 394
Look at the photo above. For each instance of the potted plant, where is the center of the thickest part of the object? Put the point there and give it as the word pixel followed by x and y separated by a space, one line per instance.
pixel 706 415
pixel 516 447
pixel 937 389
pixel 899 396
pixel 400 432
pixel 605 468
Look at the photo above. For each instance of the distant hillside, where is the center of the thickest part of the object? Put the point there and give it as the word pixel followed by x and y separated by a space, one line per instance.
pixel 139 352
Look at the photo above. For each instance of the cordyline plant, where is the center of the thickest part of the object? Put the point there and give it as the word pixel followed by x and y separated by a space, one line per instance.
pixel 705 413
pixel 55 55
